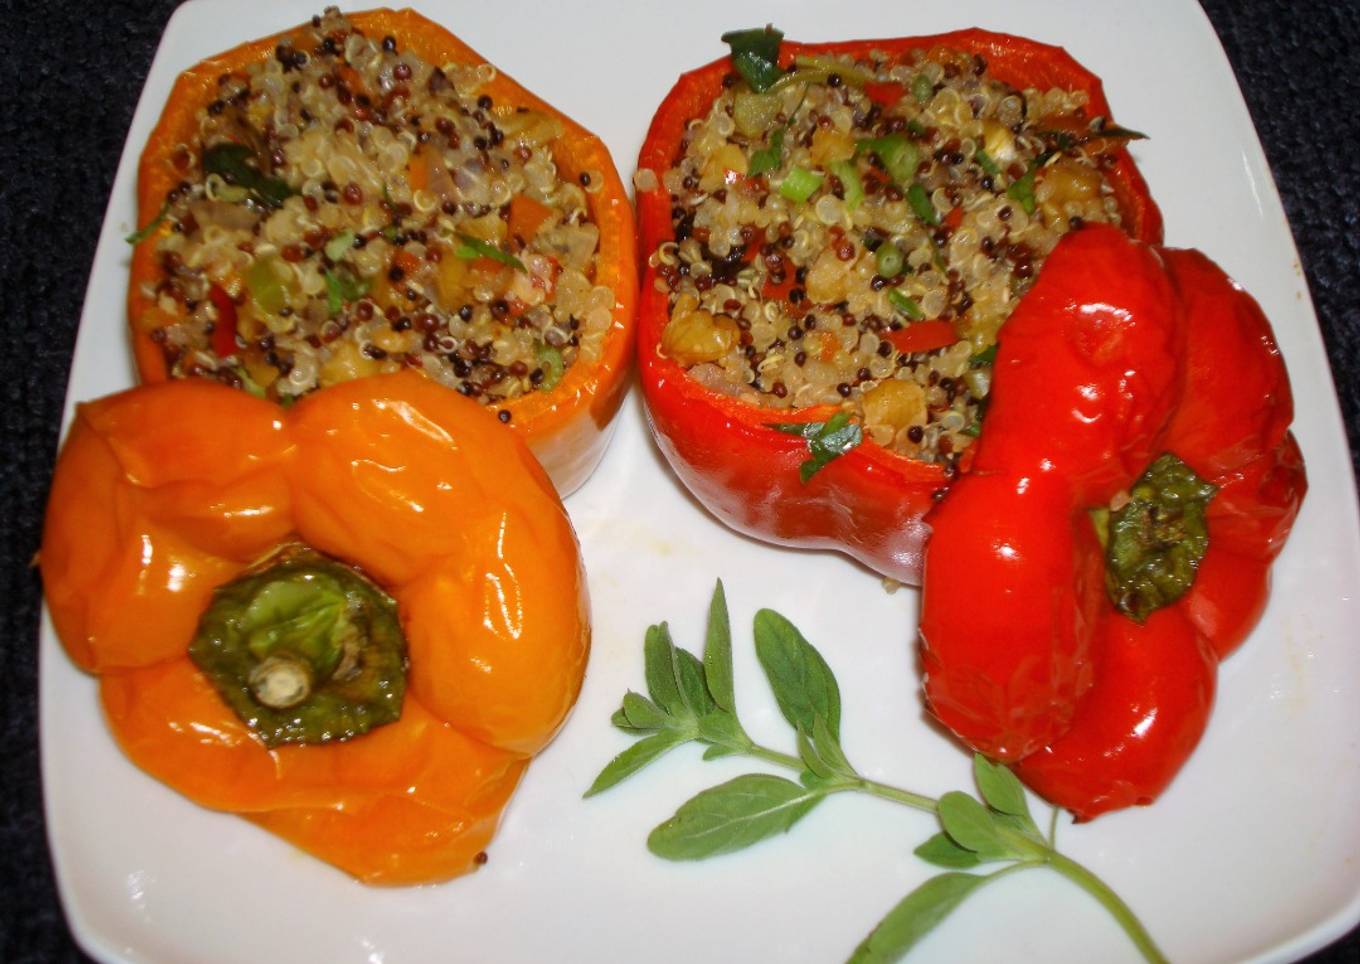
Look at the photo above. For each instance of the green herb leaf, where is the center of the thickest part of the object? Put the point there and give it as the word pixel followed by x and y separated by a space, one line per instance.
pixel 718 651
pixel 973 826
pixel 822 753
pixel 767 158
pixel 826 440
pixel 634 758
pixel 658 657
pixel 984 358
pixel 689 679
pixel 941 851
pixel 620 719
pixel 732 816
pixel 1000 787
pixel 141 234
pixel 755 55
pixel 803 683
pixel 642 713
pixel 915 916
pixel 718 750
pixel 470 248
pixel 722 729
pixel 921 204
pixel 236 164
pixel 1157 539
pixel 1123 133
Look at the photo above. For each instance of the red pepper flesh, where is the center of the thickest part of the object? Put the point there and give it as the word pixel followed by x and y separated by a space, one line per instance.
pixel 1119 352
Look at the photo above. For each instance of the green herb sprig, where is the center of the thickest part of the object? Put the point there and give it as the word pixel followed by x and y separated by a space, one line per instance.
pixel 693 700
pixel 826 440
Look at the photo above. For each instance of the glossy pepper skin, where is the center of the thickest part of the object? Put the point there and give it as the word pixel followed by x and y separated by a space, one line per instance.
pixel 1155 682
pixel 166 491
pixel 868 503
pixel 567 427
pixel 1083 382
pixel 1120 352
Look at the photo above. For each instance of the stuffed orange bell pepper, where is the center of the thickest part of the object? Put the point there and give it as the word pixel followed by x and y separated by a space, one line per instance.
pixel 365 193
pixel 1113 539
pixel 834 234
pixel 353 622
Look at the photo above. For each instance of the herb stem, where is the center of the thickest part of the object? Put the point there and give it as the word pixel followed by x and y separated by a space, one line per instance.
pixel 1111 901
pixel 905 797
pixel 1053 829
pixel 774 756
pixel 916 801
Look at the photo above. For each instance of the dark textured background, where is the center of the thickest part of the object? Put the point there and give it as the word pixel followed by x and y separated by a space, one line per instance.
pixel 71 76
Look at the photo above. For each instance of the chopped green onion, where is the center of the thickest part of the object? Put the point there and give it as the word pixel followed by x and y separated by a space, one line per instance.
pixel 755 55
pixel 471 248
pixel 552 365
pixel 342 288
pixel 849 178
pixel 905 305
pixel 915 128
pixel 265 286
pixel 922 89
pixel 141 234
pixel 920 203
pixel 767 158
pixel 900 156
pixel 337 246
pixel 985 162
pixel 973 428
pixel 799 184
pixel 889 260
pixel 851 74
pixel 1022 190
pixel 754 113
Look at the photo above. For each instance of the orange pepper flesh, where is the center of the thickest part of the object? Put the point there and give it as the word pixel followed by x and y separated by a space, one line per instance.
pixel 422 488
pixel 568 427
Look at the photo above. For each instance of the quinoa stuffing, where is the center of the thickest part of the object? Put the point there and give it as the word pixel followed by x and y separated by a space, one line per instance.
pixel 347 209
pixel 856 231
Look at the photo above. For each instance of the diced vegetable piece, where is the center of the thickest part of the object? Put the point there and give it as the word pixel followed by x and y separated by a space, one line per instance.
pixel 800 184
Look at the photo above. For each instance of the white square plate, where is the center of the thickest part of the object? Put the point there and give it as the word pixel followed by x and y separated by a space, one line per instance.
pixel 1254 853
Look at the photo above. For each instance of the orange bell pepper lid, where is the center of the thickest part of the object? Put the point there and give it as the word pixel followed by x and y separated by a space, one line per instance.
pixel 567 427
pixel 153 507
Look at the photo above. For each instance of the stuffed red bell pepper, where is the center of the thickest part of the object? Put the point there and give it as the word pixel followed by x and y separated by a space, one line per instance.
pixel 834 234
